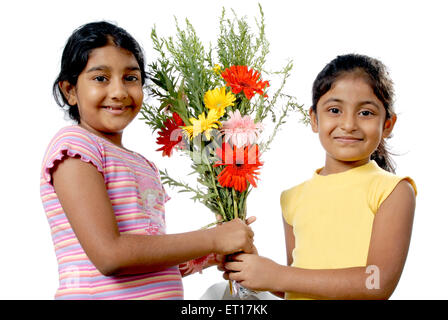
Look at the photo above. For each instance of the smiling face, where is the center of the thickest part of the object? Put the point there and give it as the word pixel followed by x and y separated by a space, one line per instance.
pixel 350 121
pixel 108 92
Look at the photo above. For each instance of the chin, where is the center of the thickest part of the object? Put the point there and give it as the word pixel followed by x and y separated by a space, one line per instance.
pixel 348 157
pixel 353 159
pixel 118 124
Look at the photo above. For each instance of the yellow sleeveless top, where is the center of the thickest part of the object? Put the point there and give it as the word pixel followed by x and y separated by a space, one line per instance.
pixel 332 216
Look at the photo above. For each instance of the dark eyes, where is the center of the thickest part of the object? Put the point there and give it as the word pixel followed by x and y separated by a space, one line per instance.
pixel 333 110
pixel 364 113
pixel 130 78
pixel 100 78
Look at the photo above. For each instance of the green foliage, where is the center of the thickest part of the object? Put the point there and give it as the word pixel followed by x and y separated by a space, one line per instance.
pixel 237 45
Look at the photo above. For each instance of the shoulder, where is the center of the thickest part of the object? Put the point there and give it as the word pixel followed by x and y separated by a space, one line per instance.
pixel 289 200
pixel 76 140
pixel 72 141
pixel 385 179
pixel 404 190
pixel 384 184
pixel 74 135
pixel 400 204
pixel 292 192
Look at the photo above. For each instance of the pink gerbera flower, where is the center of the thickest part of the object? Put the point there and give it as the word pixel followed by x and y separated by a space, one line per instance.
pixel 240 131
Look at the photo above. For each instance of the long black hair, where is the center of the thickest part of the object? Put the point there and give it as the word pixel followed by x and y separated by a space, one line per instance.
pixel 76 54
pixel 377 75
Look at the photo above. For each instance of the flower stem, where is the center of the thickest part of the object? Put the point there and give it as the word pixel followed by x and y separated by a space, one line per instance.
pixel 235 204
pixel 212 224
pixel 223 214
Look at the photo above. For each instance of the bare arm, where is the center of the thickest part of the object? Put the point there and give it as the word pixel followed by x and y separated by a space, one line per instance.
pixel 289 245
pixel 290 242
pixel 83 196
pixel 389 246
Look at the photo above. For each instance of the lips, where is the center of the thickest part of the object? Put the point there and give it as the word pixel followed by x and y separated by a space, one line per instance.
pixel 347 139
pixel 117 110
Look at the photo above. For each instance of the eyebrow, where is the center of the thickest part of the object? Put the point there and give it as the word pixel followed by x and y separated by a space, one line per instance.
pixel 370 102
pixel 361 103
pixel 332 100
pixel 104 67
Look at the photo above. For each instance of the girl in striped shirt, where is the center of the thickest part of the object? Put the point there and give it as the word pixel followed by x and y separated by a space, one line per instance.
pixel 105 203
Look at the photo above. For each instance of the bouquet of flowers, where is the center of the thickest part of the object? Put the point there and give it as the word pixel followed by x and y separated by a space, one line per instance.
pixel 214 106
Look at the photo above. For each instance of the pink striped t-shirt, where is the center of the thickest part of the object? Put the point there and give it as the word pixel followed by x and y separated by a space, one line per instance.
pixel 138 198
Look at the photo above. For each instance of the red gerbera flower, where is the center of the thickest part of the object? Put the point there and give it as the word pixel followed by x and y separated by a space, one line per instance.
pixel 171 135
pixel 241 166
pixel 240 78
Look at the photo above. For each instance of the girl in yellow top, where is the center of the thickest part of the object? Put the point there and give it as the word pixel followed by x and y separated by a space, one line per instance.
pixel 348 228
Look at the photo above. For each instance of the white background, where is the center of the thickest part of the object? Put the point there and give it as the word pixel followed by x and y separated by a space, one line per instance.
pixel 408 36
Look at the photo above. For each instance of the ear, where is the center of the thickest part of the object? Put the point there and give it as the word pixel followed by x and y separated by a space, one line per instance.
pixel 313 120
pixel 69 92
pixel 389 125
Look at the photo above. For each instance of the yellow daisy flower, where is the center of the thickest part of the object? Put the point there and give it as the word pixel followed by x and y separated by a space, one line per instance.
pixel 217 99
pixel 203 125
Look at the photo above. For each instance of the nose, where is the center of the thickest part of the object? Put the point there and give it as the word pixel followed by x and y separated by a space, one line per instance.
pixel 118 90
pixel 348 122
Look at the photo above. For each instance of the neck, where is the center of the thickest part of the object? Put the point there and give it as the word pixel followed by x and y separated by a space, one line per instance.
pixel 114 137
pixel 336 166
